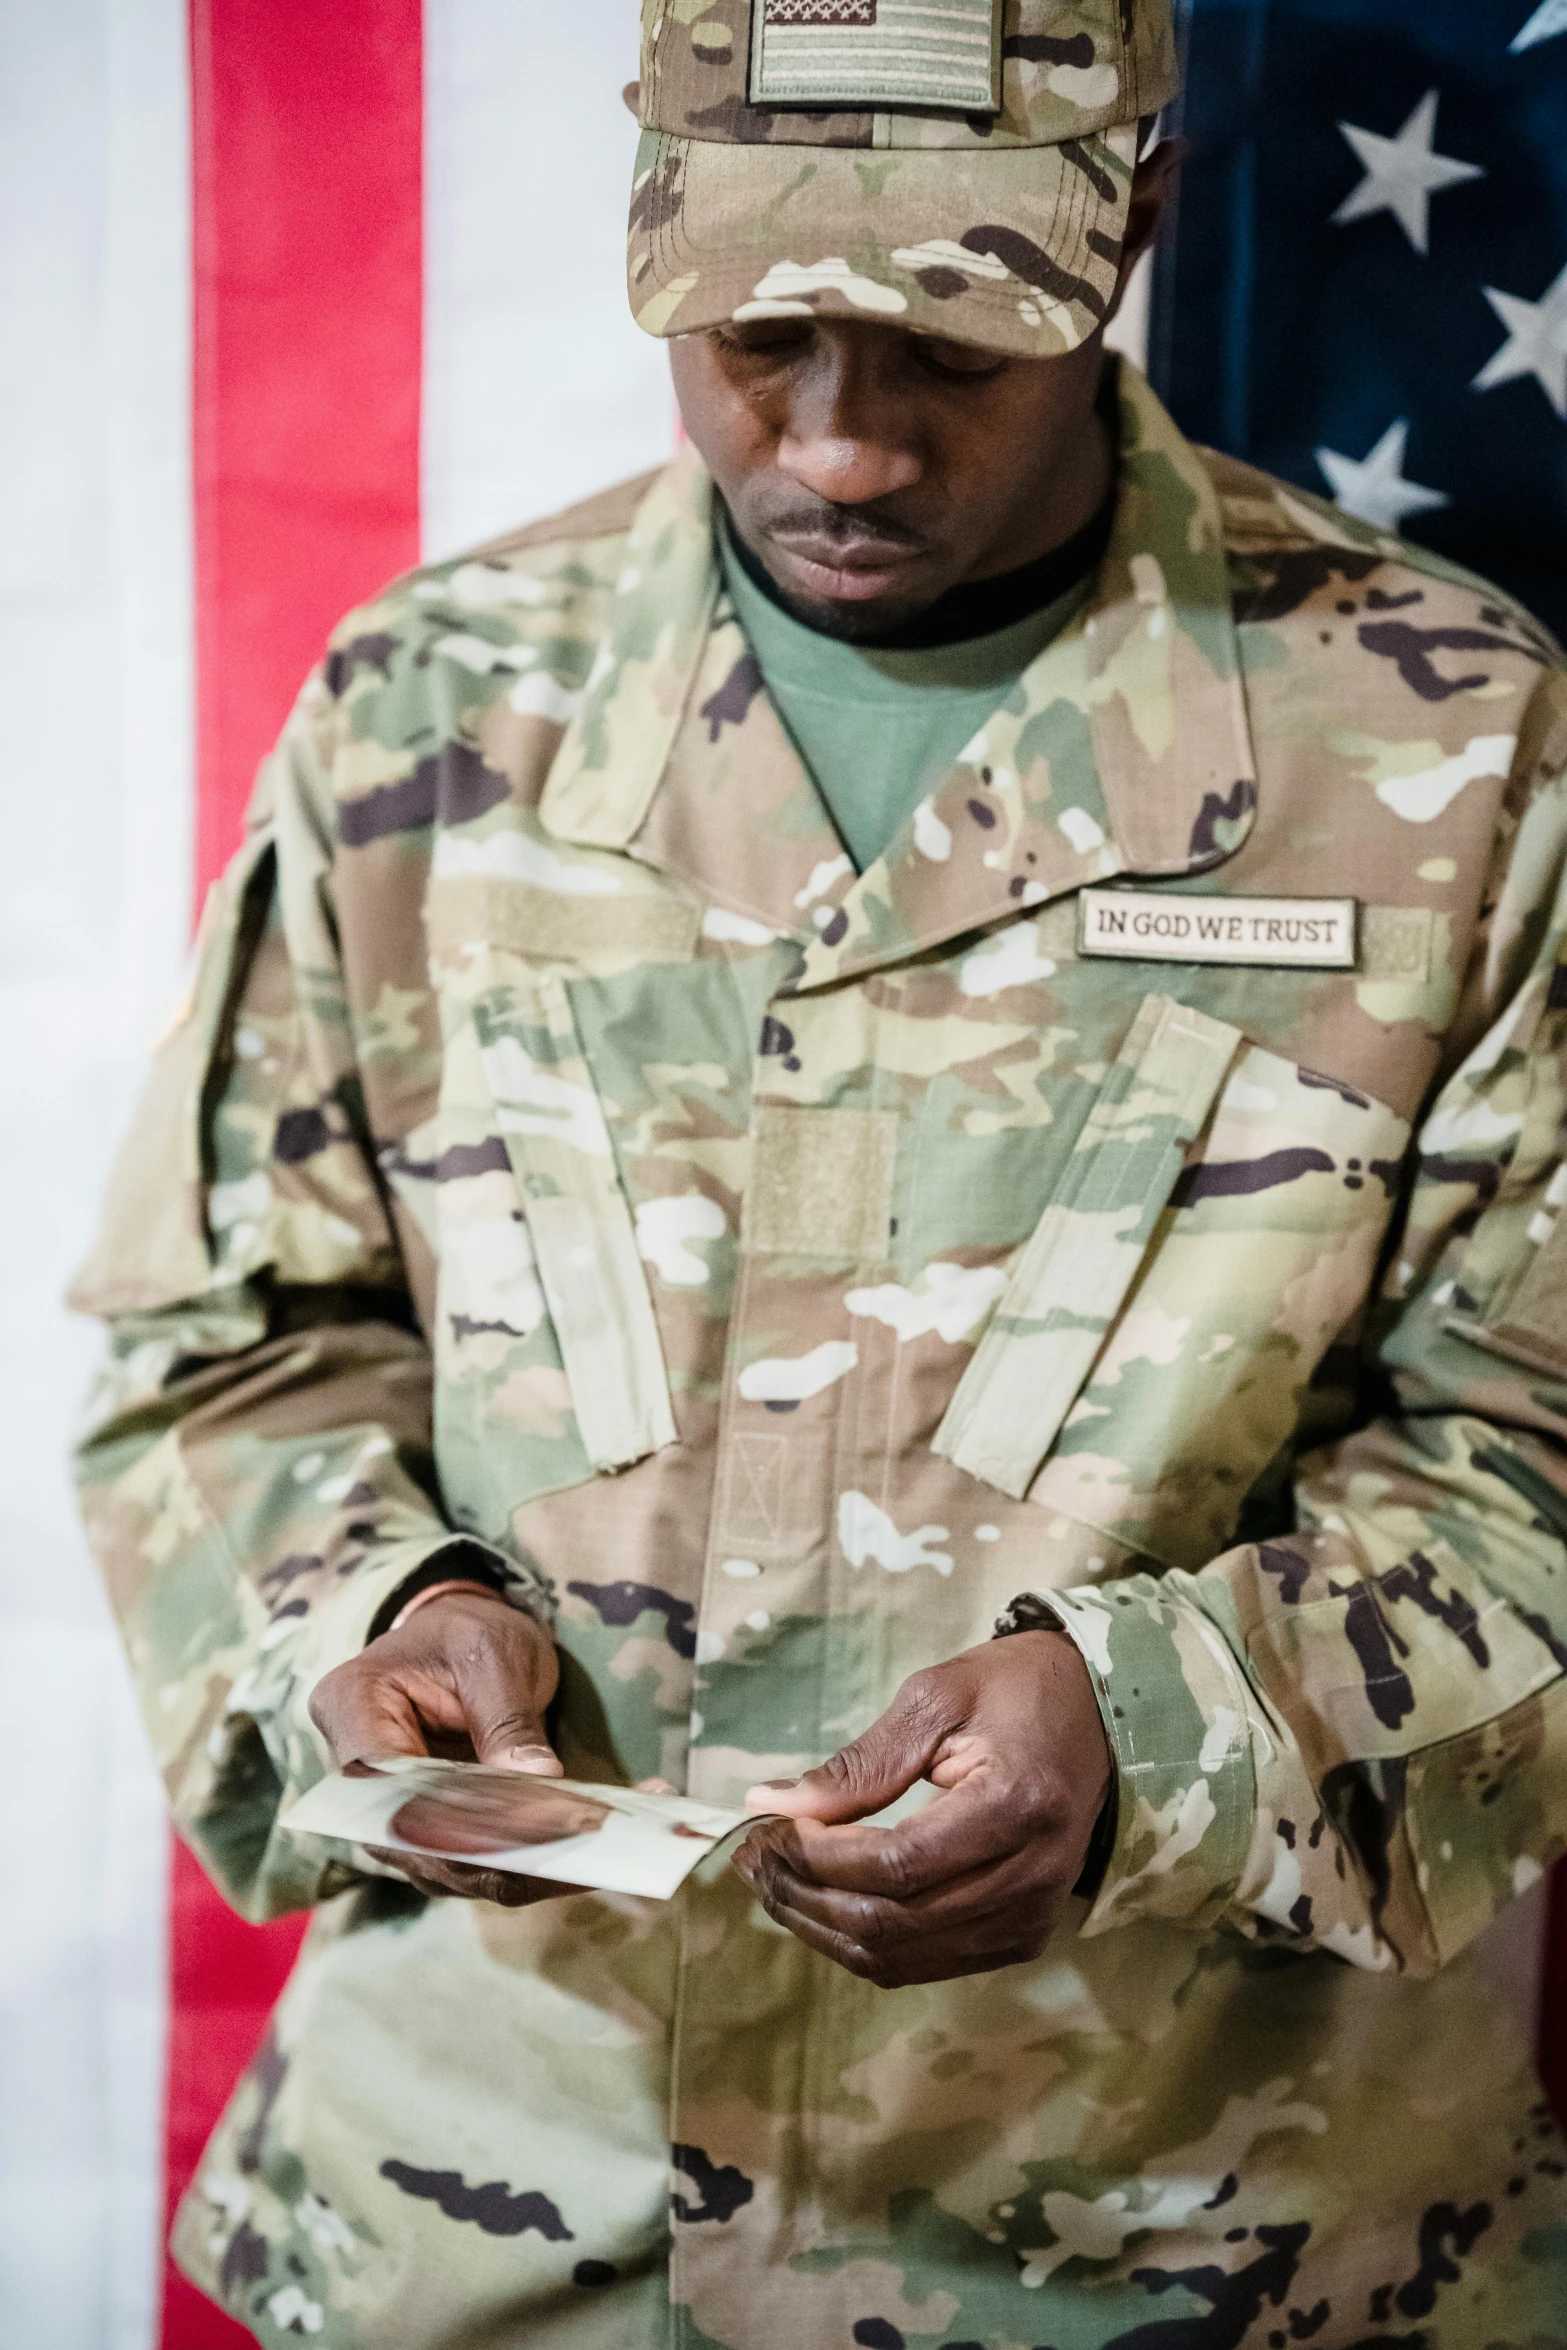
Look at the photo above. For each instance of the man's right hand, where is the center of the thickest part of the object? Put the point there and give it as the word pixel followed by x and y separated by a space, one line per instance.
pixel 468 1677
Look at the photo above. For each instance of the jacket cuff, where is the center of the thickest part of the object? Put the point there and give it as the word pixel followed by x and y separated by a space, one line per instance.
pixel 265 1751
pixel 1178 1714
pixel 367 1600
pixel 468 1561
pixel 335 1630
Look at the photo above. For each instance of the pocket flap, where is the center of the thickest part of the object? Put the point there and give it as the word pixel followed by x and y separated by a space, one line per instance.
pixel 1075 1270
pixel 580 1222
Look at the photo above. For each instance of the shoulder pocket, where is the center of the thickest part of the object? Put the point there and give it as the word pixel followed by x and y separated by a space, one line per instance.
pixel 1530 1327
pixel 1511 1285
pixel 153 1248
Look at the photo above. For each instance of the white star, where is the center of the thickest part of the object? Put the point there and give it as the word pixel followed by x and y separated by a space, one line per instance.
pixel 1375 488
pixel 1536 342
pixel 1402 174
pixel 1549 19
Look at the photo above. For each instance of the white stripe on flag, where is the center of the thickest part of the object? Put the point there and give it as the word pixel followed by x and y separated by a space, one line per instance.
pixel 538 388
pixel 95 683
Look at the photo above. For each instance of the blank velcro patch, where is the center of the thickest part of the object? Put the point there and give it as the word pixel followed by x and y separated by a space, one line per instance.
pixel 871 53
pixel 821 1183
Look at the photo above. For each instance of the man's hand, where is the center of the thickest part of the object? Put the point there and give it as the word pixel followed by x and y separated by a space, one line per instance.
pixel 976 1880
pixel 467 1677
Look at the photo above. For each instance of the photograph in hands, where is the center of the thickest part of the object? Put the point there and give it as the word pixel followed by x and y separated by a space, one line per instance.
pixel 610 1839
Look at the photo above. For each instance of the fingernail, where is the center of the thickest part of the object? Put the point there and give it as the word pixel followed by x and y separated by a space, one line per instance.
pixel 540 1760
pixel 761 1797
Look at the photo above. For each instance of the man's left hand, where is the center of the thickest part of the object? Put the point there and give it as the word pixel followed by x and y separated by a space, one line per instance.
pixel 1011 1732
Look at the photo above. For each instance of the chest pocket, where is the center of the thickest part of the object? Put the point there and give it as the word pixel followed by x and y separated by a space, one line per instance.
pixel 1148 1356
pixel 550 1367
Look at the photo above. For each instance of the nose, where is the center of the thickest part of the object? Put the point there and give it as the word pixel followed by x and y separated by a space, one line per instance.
pixel 845 436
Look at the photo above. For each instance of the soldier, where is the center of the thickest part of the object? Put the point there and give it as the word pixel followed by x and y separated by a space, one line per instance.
pixel 947 1018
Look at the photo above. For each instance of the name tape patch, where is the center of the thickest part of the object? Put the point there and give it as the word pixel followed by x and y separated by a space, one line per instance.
pixel 1151 926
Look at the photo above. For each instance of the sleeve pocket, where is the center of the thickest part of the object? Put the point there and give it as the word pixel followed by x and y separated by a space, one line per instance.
pixel 153 1246
pixel 1530 1324
pixel 1485 1812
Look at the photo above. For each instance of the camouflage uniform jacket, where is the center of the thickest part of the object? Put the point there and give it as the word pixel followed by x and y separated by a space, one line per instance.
pixel 780 1270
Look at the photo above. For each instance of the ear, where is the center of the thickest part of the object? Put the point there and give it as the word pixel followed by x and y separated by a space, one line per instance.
pixel 1153 192
pixel 631 98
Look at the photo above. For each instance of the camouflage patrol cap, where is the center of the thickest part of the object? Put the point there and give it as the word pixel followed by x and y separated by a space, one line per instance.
pixel 959 167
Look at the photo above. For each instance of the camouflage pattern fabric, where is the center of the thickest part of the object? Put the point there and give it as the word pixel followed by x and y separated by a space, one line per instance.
pixel 964 172
pixel 783 1271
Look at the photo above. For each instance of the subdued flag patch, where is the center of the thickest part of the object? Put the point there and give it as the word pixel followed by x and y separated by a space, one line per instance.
pixel 871 53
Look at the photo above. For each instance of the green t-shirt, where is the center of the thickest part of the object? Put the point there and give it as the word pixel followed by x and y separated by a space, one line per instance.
pixel 879 728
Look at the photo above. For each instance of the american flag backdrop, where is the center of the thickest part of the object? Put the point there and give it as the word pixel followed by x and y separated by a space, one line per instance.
pixel 1366 292
pixel 291 293
pixel 294 292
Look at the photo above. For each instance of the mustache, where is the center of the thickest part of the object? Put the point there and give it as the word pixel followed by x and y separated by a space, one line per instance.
pixel 843 527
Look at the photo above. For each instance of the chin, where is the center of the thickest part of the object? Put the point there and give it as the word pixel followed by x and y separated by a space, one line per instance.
pixel 855 622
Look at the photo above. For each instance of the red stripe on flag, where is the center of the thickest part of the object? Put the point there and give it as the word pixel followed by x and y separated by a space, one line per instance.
pixel 307 139
pixel 223 1979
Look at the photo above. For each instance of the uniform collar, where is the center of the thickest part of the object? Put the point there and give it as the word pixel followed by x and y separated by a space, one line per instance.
pixel 1123 749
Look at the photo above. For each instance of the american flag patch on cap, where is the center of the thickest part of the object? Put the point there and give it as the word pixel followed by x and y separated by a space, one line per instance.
pixel 872 53
pixel 820 11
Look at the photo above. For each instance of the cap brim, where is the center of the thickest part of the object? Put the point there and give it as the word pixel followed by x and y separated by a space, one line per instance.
pixel 1015 249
